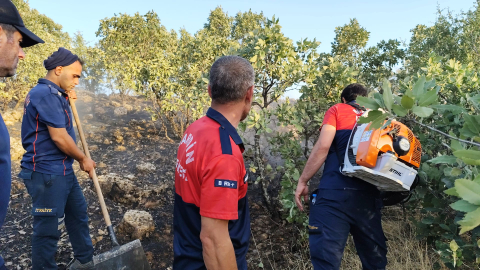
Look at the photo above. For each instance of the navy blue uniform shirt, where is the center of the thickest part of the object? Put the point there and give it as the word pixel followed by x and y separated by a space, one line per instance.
pixel 5 173
pixel 343 117
pixel 46 105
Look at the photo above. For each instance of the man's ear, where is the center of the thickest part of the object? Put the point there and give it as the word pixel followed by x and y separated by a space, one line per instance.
pixel 58 71
pixel 209 90
pixel 343 99
pixel 3 35
pixel 249 95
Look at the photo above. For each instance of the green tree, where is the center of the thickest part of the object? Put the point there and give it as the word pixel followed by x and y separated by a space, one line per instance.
pixel 349 41
pixel 302 120
pixel 378 61
pixel 279 66
pixel 93 69
pixel 246 22
pixel 31 68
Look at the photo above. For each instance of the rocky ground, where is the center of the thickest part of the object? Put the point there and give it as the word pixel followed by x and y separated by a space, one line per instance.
pixel 136 165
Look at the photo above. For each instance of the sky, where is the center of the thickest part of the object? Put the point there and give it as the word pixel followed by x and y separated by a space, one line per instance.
pixel 384 19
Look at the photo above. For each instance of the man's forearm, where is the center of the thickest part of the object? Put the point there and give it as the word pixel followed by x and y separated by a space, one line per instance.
pixel 68 146
pixel 219 254
pixel 314 162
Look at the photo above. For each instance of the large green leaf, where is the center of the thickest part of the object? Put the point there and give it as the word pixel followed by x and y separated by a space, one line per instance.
pixel 428 98
pixel 371 116
pixel 367 103
pixel 429 84
pixel 470 221
pixel 399 110
pixel 379 99
pixel 452 192
pixel 472 123
pixel 387 95
pixel 468 190
pixel 407 102
pixel 377 123
pixel 470 157
pixel 466 132
pixel 397 99
pixel 448 107
pixel 444 160
pixel 422 111
pixel 475 99
pixel 418 88
pixel 463 206
pixel 456 145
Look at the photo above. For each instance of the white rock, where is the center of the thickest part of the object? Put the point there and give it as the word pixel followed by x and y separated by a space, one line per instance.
pixel 120 111
pixel 146 167
pixel 136 224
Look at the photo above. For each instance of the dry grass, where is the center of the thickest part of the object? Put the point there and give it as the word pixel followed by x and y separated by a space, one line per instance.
pixel 404 250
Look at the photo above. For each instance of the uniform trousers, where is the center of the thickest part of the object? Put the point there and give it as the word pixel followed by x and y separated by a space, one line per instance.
pixel 338 213
pixel 57 201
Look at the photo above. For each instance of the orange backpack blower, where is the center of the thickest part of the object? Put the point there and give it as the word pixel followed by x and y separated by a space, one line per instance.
pixel 388 158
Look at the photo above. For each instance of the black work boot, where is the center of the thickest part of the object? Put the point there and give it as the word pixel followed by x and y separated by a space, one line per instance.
pixel 77 265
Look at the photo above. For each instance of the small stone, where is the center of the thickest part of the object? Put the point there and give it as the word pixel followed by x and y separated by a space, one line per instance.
pixel 120 148
pixel 115 104
pixel 146 167
pixel 93 147
pixel 151 204
pixel 101 165
pixel 136 224
pixel 99 110
pixel 119 139
pixel 120 111
pixel 128 107
pixel 88 117
pixel 106 141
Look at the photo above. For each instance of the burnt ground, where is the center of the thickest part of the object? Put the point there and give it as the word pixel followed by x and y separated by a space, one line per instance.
pixel 118 144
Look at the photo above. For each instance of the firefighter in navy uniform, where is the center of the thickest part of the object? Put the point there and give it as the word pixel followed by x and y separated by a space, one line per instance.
pixel 211 219
pixel 49 140
pixel 343 204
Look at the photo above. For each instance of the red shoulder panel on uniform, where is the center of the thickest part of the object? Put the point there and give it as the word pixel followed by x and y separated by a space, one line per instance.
pixel 342 116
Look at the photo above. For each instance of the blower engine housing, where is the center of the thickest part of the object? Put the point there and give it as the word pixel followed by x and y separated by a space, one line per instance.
pixel 387 158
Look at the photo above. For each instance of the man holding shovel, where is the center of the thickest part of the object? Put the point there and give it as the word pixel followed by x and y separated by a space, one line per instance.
pixel 13 37
pixel 49 139
pixel 211 218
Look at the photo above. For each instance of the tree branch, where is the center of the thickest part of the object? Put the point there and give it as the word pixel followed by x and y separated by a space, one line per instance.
pixel 445 134
pixel 258 104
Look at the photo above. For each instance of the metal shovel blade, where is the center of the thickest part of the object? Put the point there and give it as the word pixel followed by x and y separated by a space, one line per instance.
pixel 126 257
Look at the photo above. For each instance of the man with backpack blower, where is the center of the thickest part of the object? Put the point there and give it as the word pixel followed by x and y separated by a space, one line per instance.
pixel 342 204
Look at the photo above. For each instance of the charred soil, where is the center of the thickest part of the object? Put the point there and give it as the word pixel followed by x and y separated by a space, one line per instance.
pixel 137 163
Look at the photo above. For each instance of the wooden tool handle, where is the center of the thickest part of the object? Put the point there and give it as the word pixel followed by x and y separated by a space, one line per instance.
pixel 106 216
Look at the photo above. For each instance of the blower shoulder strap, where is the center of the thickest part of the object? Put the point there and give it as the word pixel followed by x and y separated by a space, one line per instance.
pixel 354 104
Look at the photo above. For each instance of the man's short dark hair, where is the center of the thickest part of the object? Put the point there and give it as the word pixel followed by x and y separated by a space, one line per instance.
pixel 352 91
pixel 230 78
pixel 9 30
pixel 80 60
